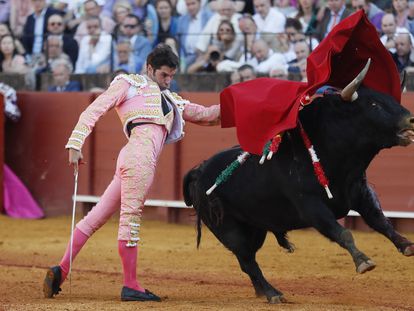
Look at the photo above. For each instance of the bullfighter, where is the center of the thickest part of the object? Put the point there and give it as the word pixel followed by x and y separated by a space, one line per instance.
pixel 151 116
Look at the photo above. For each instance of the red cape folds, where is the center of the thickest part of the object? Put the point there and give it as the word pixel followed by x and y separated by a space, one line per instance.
pixel 264 107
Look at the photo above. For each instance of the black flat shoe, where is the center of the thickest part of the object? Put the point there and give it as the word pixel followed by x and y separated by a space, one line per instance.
pixel 51 284
pixel 129 294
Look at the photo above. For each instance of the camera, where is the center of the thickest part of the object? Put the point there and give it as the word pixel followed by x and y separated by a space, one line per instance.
pixel 214 56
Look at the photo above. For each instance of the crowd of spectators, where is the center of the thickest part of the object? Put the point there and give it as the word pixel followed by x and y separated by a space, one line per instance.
pixel 247 38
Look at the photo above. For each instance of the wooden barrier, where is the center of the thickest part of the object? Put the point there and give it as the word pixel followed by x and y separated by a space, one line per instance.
pixel 35 147
pixel 35 151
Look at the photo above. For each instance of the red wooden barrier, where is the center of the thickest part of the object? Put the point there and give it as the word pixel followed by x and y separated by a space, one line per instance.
pixel 35 147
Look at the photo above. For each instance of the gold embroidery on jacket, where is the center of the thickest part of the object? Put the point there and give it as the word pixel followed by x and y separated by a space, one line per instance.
pixel 142 113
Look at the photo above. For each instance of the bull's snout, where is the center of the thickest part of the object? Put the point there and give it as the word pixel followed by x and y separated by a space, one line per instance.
pixel 406 134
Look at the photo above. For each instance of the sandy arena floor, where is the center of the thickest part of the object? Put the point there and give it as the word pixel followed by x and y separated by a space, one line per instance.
pixel 319 275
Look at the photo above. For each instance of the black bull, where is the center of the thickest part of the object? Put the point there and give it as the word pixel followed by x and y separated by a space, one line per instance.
pixel 283 194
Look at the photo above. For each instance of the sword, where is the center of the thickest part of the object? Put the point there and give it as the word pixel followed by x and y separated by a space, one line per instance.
pixel 71 231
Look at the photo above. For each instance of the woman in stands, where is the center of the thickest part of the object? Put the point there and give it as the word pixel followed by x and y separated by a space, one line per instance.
pixel 306 14
pixel 167 22
pixel 227 41
pixel 5 30
pixel 10 60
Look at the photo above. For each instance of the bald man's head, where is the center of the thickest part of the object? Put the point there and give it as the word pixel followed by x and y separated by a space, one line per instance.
pixel 403 44
pixel 301 50
pixel 226 8
pixel 388 24
pixel 260 50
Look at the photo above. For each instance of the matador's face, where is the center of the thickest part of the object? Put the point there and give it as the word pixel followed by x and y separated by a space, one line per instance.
pixel 162 76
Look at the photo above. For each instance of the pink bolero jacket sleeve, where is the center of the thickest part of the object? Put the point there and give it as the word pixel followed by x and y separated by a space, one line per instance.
pixel 114 95
pixel 201 115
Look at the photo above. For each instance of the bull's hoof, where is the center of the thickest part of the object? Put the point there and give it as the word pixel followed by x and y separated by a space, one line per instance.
pixel 366 266
pixel 409 250
pixel 276 299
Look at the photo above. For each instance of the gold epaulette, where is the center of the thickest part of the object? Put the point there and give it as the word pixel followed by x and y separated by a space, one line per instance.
pixel 133 79
pixel 178 98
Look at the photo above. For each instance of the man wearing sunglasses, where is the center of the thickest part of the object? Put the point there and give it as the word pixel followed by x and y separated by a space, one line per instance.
pixel 35 27
pixel 56 27
pixel 131 30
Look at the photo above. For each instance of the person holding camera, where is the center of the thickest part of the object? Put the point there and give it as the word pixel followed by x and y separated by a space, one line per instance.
pixel 208 61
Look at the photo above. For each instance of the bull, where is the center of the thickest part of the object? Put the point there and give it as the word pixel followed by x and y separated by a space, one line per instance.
pixel 283 194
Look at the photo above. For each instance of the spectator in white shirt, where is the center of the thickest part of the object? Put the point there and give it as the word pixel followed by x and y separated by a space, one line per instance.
pixel 302 51
pixel 227 11
pixel 182 7
pixel 390 30
pixel 92 9
pixel 248 27
pixel 94 49
pixel 268 19
pixel 264 58
pixel 189 28
pixel 285 7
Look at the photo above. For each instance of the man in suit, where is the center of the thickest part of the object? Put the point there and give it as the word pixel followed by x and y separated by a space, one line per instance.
pixel 131 30
pixel 334 13
pixel 189 27
pixel 61 70
pixel 56 26
pixel 35 27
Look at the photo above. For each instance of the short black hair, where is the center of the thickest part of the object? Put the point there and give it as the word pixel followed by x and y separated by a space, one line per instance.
pixel 246 66
pixel 162 55
pixel 130 15
pixel 295 23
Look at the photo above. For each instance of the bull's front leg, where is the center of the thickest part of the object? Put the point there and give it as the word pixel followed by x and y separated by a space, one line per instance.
pixel 322 219
pixel 370 210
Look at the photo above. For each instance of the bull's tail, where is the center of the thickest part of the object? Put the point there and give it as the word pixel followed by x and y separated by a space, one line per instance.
pixel 283 241
pixel 188 185
pixel 190 196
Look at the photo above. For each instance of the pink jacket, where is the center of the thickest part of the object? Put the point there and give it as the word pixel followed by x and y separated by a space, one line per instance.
pixel 138 98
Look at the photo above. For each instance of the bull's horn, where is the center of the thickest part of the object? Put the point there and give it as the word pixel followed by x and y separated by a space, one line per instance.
pixel 349 93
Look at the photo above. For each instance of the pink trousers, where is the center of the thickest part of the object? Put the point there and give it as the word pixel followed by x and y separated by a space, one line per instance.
pixel 133 177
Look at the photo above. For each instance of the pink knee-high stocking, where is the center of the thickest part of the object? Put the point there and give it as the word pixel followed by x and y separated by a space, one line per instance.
pixel 79 239
pixel 129 264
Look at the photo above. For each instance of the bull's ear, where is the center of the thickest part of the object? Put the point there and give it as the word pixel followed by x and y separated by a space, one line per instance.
pixel 349 93
pixel 403 79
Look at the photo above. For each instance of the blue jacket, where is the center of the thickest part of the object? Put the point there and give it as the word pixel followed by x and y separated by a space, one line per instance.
pixel 172 31
pixel 182 30
pixel 28 30
pixel 72 86
pixel 142 47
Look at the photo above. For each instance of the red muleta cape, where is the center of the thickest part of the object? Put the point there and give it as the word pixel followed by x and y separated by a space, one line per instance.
pixel 264 107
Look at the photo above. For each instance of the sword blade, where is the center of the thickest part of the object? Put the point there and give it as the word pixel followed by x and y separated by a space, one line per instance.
pixel 75 191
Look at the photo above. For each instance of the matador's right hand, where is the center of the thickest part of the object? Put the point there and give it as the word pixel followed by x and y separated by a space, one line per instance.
pixel 75 157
